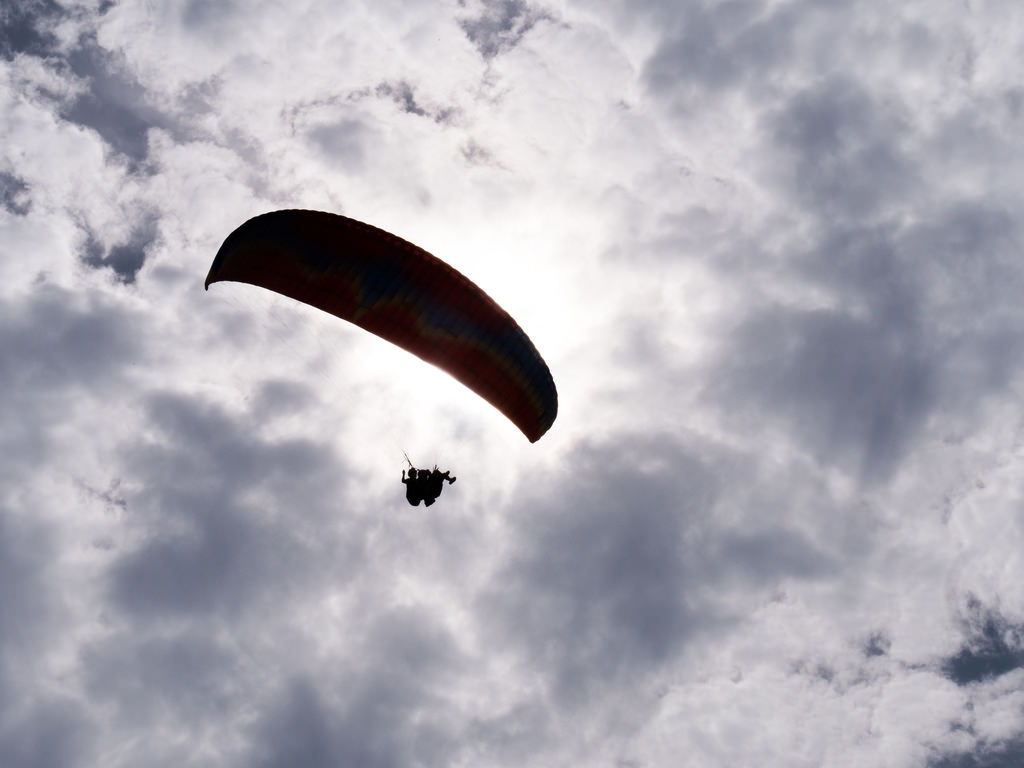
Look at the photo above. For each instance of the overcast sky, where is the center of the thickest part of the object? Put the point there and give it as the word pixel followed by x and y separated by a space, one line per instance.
pixel 772 254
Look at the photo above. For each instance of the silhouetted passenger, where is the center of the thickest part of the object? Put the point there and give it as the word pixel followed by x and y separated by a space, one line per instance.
pixel 435 484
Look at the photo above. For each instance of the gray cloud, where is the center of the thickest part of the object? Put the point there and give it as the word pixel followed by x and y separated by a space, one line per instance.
pixel 40 726
pixel 918 302
pixel 922 316
pixel 47 732
pixel 764 555
pixel 877 645
pixel 341 143
pixel 855 390
pixel 14 194
pixel 501 25
pixel 261 530
pixel 403 94
pixel 177 672
pixel 1009 754
pixel 598 589
pixel 207 548
pixel 27 601
pixel 200 16
pixel 994 647
pixel 713 47
pixel 56 348
pixel 59 351
pixel 386 707
pixel 23 27
pixel 840 151
pixel 300 732
pixel 477 154
pixel 115 104
pixel 278 397
pixel 128 257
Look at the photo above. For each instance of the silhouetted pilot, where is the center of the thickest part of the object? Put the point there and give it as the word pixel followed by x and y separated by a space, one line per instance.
pixel 413 487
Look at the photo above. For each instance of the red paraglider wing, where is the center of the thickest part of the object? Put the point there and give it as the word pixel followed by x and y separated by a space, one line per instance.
pixel 401 293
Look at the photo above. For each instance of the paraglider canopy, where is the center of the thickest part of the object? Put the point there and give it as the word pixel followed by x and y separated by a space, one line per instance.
pixel 398 292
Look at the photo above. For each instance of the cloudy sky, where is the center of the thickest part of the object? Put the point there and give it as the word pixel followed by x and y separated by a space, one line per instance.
pixel 771 252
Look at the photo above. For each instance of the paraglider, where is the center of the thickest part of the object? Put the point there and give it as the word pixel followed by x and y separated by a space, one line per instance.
pixel 400 293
